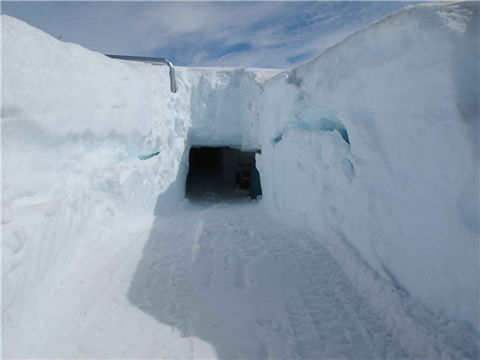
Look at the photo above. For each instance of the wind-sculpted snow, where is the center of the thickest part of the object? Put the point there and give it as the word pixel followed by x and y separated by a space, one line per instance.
pixel 371 149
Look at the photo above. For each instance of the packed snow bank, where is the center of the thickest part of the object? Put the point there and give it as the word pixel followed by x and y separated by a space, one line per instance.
pixel 225 105
pixel 377 141
pixel 75 126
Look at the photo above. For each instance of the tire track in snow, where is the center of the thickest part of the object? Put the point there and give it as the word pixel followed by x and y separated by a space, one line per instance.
pixel 196 237
pixel 246 285
pixel 327 318
pixel 252 287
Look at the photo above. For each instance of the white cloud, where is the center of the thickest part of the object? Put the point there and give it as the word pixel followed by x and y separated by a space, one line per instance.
pixel 199 33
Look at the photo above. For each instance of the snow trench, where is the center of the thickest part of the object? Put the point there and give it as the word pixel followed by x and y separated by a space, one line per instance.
pixel 372 146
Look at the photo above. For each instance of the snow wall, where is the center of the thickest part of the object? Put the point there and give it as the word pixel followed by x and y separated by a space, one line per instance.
pixel 77 132
pixel 377 140
pixel 373 144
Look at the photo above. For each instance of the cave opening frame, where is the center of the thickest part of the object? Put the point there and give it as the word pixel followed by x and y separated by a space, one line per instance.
pixel 222 173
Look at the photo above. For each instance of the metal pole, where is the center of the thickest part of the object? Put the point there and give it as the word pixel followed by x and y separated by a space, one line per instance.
pixel 153 61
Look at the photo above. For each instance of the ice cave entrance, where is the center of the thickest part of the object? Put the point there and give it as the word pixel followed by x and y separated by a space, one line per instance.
pixel 222 173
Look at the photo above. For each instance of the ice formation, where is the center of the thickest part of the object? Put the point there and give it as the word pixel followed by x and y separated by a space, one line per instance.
pixel 374 145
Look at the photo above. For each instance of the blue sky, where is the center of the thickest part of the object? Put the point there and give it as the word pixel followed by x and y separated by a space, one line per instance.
pixel 244 34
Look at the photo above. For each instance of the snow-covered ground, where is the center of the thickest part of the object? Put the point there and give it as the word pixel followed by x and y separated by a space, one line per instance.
pixel 364 245
pixel 221 281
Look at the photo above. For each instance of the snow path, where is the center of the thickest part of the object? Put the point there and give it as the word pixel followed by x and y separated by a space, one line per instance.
pixel 224 281
pixel 253 288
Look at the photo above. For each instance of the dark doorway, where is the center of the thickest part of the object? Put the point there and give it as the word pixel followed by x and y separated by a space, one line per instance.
pixel 222 173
